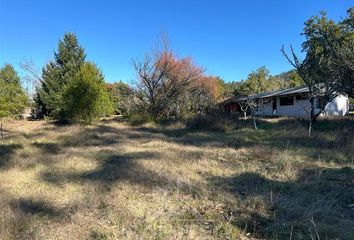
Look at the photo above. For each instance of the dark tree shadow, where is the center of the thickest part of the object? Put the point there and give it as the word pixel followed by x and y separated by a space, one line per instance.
pixel 118 168
pixel 37 134
pixel 323 195
pixel 98 135
pixel 331 134
pixel 48 148
pixel 6 152
pixel 39 208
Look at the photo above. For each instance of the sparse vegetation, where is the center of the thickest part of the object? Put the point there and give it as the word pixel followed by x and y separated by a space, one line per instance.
pixel 115 181
pixel 171 166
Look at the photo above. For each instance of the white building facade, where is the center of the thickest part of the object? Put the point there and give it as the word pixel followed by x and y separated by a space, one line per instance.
pixel 294 102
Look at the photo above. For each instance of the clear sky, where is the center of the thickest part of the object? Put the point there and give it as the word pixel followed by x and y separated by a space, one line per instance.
pixel 229 38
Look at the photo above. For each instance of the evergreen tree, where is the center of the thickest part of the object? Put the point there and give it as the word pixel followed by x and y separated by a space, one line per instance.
pixel 9 75
pixel 13 99
pixel 86 97
pixel 57 73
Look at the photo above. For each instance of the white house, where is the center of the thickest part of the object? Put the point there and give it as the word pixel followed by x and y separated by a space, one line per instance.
pixel 293 102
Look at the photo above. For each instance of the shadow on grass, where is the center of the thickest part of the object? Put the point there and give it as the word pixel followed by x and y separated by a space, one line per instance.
pixel 119 168
pixel 274 207
pixel 98 135
pixel 39 208
pixel 276 134
pixel 37 133
pixel 329 134
pixel 6 152
pixel 48 148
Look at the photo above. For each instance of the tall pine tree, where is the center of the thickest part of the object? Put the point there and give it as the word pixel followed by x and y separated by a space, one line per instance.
pixel 56 74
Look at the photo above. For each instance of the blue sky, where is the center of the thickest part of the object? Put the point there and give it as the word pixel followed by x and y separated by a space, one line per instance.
pixel 229 38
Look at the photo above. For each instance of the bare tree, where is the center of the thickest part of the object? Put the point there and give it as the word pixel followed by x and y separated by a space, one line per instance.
pixel 33 75
pixel 162 79
pixel 327 69
pixel 321 86
pixel 244 106
pixel 253 104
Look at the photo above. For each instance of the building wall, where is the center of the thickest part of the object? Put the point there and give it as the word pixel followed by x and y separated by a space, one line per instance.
pixel 296 110
pixel 338 107
pixel 299 109
pixel 265 109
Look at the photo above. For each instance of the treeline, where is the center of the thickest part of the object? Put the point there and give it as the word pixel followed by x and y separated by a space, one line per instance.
pixel 260 81
pixel 72 89
pixel 168 86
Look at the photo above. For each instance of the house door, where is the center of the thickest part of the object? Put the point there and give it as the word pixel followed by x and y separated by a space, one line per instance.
pixel 274 106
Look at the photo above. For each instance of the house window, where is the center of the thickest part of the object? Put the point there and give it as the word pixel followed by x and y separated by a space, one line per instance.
pixel 286 101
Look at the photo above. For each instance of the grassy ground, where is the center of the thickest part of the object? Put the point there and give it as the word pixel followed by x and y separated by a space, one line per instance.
pixel 115 181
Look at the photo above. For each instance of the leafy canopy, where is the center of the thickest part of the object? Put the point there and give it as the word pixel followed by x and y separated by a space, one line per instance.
pixel 329 63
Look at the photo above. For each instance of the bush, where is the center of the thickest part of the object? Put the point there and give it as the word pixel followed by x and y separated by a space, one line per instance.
pixel 85 97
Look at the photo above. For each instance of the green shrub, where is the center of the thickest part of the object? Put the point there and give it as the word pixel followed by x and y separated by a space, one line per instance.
pixel 85 97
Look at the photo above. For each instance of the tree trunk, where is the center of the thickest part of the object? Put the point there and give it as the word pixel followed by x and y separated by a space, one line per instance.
pixel 244 115
pixel 310 126
pixel 2 134
pixel 312 117
pixel 254 122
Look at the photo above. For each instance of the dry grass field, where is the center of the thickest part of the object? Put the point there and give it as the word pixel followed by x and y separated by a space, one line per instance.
pixel 117 181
